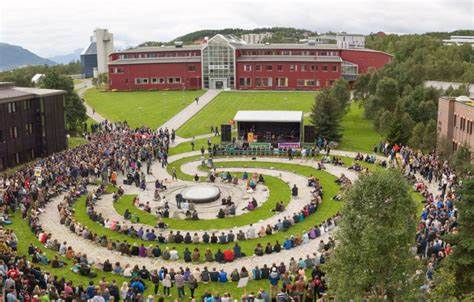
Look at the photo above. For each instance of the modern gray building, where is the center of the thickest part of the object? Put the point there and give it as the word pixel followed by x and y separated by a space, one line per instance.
pixel 89 59
pixel 94 58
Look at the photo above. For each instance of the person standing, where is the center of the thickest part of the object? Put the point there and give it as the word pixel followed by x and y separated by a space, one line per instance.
pixel 197 100
pixel 179 282
pixel 192 284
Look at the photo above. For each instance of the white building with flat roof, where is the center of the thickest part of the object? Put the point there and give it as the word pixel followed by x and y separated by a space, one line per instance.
pixel 459 40
pixel 345 40
pixel 256 38
pixel 104 46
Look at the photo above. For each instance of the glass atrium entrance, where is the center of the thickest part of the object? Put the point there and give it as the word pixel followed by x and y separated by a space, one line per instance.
pixel 218 63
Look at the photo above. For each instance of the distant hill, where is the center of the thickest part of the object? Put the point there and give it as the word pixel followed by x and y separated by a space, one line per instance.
pixel 67 58
pixel 280 35
pixel 13 56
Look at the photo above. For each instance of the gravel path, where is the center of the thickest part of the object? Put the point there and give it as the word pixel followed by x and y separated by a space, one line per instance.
pixel 50 222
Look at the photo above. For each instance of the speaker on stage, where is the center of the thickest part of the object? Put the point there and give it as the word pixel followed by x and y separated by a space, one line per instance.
pixel 226 135
pixel 309 135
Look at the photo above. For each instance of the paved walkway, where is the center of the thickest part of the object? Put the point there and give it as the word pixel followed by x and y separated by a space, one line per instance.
pixel 81 89
pixel 50 222
pixel 184 115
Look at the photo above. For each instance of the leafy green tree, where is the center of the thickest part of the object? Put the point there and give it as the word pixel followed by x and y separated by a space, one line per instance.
pixel 429 136
pixel 461 160
pixel 373 258
pixel 417 135
pixel 387 93
pixel 455 279
pixel 341 92
pixel 401 128
pixel 74 108
pixel 325 116
pixel 361 86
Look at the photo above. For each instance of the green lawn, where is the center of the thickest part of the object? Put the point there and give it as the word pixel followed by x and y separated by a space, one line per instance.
pixel 327 209
pixel 279 191
pixel 21 229
pixel 75 141
pixel 198 143
pixel 358 132
pixel 224 107
pixel 140 108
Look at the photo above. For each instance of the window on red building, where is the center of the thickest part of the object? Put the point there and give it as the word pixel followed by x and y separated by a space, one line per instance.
pixel 280 67
pixel 303 67
pixel 245 82
pixel 192 68
pixel 247 67
pixel 325 68
pixel 269 67
pixel 334 67
pixel 282 82
pixel 292 67
pixel 258 67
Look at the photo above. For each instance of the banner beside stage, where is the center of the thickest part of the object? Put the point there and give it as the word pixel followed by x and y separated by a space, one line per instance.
pixel 260 145
pixel 289 145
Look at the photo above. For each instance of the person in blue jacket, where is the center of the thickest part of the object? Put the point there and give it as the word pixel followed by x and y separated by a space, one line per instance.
pixel 223 276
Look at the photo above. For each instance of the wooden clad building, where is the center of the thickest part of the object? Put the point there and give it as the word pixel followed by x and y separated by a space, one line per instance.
pixel 32 123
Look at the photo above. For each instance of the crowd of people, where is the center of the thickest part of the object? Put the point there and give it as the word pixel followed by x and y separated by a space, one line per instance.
pixel 114 150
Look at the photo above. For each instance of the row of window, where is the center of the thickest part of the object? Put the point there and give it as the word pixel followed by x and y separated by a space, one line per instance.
pixel 119 70
pixel 16 106
pixel 13 132
pixel 292 68
pixel 151 55
pixel 274 52
pixel 280 82
pixel 464 124
pixel 26 155
pixel 169 80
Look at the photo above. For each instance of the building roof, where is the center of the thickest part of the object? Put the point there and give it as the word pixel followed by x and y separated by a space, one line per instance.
pixel 160 48
pixel 194 59
pixel 269 116
pixel 9 93
pixel 289 59
pixel 90 50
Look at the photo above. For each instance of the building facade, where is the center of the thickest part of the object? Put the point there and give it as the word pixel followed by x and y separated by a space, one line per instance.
pixel 256 38
pixel 455 121
pixel 32 124
pixel 226 62
pixel 95 57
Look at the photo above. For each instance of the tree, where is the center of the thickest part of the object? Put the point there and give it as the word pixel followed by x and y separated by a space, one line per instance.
pixel 417 134
pixel 461 160
pixel 361 86
pixel 373 258
pixel 341 92
pixel 74 108
pixel 387 93
pixel 325 116
pixel 401 128
pixel 429 136
pixel 455 278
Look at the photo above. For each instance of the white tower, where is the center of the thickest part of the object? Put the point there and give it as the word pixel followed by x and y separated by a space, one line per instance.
pixel 105 45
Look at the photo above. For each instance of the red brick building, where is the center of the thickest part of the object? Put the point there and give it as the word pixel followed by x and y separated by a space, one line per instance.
pixel 456 121
pixel 227 62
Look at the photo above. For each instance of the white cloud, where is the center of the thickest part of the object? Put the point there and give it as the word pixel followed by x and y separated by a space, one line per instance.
pixel 50 27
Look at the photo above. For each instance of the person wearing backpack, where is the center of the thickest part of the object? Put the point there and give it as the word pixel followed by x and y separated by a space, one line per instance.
pixel 192 284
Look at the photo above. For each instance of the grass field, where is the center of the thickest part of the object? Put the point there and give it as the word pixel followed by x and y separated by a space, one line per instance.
pixel 358 132
pixel 327 209
pixel 75 141
pixel 149 108
pixel 278 191
pixel 224 107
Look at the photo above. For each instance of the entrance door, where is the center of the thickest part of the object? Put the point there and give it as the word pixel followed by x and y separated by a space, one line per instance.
pixel 220 83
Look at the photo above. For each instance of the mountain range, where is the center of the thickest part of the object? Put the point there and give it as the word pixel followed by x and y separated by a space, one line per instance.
pixel 14 56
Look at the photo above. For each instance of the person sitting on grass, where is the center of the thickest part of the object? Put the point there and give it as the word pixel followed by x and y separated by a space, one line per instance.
pixel 279 207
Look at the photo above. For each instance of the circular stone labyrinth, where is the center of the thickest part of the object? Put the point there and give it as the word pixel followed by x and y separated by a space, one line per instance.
pixel 209 208
pixel 202 193
pixel 49 219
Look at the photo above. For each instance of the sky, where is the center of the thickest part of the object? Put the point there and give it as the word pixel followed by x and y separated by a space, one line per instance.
pixel 55 27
